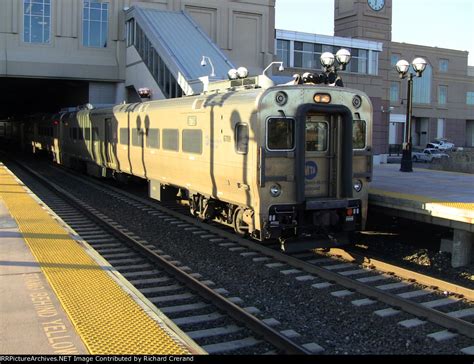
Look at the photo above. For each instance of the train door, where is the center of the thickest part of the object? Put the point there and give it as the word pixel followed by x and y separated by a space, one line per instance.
pixel 320 151
pixel 109 143
pixel 96 143
pixel 55 138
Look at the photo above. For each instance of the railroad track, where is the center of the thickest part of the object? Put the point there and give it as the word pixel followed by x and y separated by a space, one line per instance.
pixel 214 321
pixel 424 298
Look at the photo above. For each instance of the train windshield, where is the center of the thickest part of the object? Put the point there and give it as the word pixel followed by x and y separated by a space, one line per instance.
pixel 280 134
pixel 358 134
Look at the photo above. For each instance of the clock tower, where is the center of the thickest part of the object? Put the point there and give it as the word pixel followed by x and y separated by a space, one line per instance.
pixel 366 19
pixel 371 20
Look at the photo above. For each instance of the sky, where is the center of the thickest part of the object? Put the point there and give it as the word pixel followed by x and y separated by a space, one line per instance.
pixel 436 23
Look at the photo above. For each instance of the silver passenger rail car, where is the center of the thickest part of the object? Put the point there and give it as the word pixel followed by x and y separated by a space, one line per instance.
pixel 276 162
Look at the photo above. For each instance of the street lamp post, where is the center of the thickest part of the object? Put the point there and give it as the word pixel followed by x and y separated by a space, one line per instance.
pixel 419 65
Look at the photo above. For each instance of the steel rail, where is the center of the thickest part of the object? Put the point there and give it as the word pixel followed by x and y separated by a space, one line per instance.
pixel 272 336
pixel 370 262
pixel 455 324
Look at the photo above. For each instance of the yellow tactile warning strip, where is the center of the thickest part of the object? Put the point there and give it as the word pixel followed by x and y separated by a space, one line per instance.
pixel 108 320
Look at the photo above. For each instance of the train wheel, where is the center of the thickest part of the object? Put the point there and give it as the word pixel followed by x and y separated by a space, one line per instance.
pixel 240 226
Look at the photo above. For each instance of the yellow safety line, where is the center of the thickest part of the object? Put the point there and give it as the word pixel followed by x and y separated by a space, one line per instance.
pixel 108 320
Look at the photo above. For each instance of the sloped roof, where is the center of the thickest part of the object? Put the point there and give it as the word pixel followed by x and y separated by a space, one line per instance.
pixel 182 41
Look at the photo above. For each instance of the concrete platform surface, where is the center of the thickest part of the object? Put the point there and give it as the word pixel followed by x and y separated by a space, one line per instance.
pixel 32 319
pixel 429 196
pixel 446 195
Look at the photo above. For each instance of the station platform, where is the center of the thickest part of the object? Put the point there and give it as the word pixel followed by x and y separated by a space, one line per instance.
pixel 431 196
pixel 58 296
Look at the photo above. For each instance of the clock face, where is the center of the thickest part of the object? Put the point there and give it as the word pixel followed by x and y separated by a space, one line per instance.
pixel 376 4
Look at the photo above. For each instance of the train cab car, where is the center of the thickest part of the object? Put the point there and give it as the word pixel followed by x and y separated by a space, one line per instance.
pixel 315 162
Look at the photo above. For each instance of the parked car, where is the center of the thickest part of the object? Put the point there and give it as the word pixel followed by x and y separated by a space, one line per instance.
pixel 428 155
pixel 441 144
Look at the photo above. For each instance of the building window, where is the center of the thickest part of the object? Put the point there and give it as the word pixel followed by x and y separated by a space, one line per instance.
pixel 37 21
pixel 359 61
pixel 283 51
pixel 95 24
pixel 394 92
pixel 373 63
pixel 394 59
pixel 470 98
pixel 440 130
pixel 422 87
pixel 442 95
pixel 130 29
pixel 307 55
pixel 443 65
pixel 155 64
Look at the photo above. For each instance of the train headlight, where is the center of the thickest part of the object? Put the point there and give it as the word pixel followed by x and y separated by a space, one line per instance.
pixel 322 98
pixel 356 101
pixel 242 72
pixel 358 185
pixel 281 98
pixel 275 190
pixel 232 74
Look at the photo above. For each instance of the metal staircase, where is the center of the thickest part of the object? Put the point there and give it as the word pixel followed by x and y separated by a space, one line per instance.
pixel 172 46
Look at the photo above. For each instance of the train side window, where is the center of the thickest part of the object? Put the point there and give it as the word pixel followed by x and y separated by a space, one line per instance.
pixel 80 134
pixel 280 134
pixel 359 131
pixel 153 138
pixel 242 138
pixel 87 134
pixel 192 141
pixel 124 136
pixel 171 139
pixel 137 137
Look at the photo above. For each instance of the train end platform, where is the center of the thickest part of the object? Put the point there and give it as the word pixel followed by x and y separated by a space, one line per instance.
pixel 59 297
pixel 430 196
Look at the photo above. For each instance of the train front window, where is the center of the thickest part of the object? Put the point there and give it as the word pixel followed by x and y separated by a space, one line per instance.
pixel 316 135
pixel 359 131
pixel 280 134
